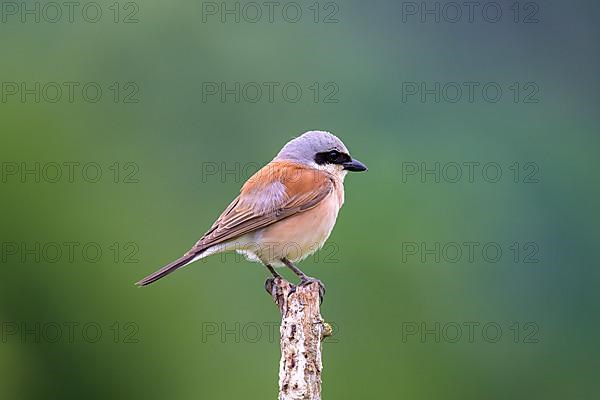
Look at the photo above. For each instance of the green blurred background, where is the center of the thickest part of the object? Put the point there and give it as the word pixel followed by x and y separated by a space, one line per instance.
pixel 172 156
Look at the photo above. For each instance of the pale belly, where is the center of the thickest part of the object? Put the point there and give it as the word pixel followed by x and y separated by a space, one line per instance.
pixel 294 238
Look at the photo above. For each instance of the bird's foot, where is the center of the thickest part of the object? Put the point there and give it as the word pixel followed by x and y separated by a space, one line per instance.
pixel 270 284
pixel 307 280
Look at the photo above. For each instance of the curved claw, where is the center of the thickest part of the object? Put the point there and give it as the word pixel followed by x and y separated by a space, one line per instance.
pixel 269 284
pixel 307 280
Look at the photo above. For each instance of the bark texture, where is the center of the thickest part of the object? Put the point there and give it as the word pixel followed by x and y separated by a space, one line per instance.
pixel 301 332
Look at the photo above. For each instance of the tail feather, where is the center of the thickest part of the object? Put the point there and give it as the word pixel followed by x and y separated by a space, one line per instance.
pixel 167 269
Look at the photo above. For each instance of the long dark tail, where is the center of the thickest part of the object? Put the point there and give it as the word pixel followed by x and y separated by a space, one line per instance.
pixel 167 269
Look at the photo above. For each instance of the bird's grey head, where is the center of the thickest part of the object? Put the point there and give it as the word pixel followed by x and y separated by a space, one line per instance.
pixel 321 150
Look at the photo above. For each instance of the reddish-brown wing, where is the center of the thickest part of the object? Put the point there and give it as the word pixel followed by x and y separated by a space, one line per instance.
pixel 303 188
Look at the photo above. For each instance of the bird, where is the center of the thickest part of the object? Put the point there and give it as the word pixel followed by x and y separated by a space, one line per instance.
pixel 284 213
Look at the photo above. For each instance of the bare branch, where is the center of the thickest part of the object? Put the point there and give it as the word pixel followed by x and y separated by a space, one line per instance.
pixel 302 330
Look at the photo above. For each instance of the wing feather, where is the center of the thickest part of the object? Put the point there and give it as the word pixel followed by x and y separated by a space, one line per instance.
pixel 305 188
pixel 279 190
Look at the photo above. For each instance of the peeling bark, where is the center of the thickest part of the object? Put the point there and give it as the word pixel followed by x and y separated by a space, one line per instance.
pixel 301 332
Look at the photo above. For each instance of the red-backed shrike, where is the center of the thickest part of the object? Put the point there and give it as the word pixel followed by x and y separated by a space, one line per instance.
pixel 285 212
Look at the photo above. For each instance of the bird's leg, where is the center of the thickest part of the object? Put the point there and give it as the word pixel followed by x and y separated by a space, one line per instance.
pixel 272 271
pixel 305 279
pixel 270 282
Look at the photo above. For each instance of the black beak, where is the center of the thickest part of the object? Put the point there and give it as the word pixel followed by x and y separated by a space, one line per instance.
pixel 354 166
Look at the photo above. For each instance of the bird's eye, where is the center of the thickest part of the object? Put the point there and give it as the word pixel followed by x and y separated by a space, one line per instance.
pixel 333 156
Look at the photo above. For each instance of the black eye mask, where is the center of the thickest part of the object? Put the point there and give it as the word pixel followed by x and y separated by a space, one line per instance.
pixel 332 157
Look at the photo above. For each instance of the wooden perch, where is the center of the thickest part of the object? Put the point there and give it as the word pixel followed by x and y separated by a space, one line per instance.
pixel 301 332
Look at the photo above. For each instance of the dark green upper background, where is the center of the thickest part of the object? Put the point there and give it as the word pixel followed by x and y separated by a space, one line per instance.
pixel 189 152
